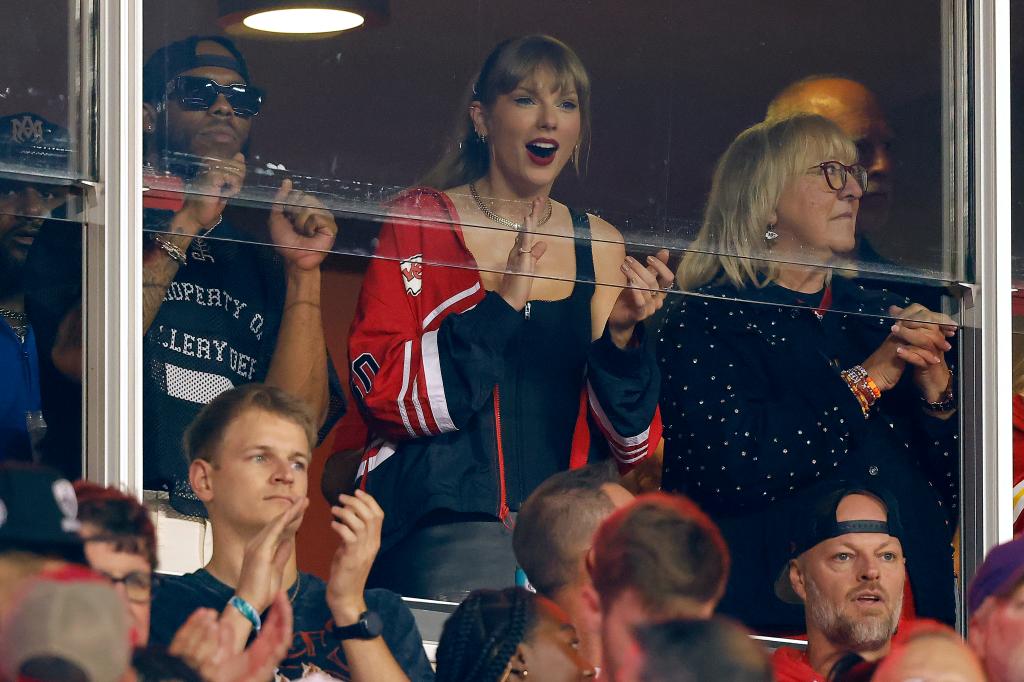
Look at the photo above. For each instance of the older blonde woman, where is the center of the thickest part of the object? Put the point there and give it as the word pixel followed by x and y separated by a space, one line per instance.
pixel 779 375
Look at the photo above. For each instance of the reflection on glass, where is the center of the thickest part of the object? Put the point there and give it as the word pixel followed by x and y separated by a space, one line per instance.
pixel 472 377
pixel 768 398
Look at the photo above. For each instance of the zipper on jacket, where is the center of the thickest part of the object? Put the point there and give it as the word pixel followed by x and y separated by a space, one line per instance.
pixel 503 509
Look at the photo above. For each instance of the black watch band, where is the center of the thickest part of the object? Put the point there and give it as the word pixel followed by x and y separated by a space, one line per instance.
pixel 368 626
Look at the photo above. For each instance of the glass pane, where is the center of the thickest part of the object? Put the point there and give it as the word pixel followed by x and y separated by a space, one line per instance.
pixel 45 107
pixel 660 126
pixel 464 376
pixel 42 104
pixel 41 331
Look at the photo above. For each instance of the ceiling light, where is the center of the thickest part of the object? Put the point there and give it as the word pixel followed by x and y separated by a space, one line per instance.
pixel 304 20
pixel 299 19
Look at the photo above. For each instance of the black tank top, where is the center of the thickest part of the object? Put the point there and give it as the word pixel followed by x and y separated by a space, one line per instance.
pixel 545 365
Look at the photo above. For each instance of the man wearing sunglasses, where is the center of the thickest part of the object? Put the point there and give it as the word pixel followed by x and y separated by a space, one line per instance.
pixel 227 299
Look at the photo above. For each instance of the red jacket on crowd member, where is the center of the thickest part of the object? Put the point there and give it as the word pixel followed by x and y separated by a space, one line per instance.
pixel 427 350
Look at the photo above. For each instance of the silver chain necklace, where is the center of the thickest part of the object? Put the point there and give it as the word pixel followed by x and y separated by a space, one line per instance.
pixel 17 320
pixel 502 220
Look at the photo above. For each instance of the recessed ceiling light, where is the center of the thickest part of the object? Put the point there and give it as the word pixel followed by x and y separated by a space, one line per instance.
pixel 299 19
pixel 304 20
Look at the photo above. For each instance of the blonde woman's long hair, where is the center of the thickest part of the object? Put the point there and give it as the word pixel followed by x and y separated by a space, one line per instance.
pixel 748 181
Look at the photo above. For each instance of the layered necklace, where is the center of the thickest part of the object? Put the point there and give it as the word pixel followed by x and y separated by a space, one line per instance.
pixel 502 220
pixel 17 320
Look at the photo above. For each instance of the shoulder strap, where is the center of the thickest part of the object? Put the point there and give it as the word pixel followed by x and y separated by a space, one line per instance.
pixel 584 250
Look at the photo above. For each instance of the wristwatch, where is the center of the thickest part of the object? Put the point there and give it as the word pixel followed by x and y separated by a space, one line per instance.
pixel 368 626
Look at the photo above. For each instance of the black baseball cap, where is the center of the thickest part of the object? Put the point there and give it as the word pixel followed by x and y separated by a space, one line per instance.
pixel 180 56
pixel 39 512
pixel 31 143
pixel 809 527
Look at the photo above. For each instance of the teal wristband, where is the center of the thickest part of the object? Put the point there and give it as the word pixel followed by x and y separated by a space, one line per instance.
pixel 246 609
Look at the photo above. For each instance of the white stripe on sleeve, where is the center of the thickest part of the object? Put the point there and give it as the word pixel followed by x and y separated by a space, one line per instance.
pixel 419 408
pixel 435 384
pixel 449 302
pixel 405 388
pixel 625 443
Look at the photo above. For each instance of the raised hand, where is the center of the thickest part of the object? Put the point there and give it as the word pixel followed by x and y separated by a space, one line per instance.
pixel 266 556
pixel 644 294
pixel 208 193
pixel 301 228
pixel 517 282
pixel 357 521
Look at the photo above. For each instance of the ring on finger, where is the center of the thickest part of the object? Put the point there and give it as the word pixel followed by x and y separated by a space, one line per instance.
pixel 522 250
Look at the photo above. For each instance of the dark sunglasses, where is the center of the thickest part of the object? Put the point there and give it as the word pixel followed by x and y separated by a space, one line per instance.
pixel 195 93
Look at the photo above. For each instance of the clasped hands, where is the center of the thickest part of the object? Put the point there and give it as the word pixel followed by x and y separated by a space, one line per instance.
pixel 918 338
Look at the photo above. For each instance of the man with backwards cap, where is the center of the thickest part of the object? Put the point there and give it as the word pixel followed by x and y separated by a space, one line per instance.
pixel 223 304
pixel 29 144
pixel 847 568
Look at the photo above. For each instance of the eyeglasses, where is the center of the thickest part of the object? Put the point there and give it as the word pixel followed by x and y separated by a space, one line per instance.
pixel 138 586
pixel 836 173
pixel 195 93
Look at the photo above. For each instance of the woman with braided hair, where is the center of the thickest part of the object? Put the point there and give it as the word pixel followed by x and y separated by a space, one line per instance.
pixel 507 635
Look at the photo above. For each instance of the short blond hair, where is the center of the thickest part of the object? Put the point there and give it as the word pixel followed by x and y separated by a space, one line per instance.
pixel 748 181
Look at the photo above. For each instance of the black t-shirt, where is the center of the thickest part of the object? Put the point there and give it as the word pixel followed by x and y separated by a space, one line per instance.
pixel 217 328
pixel 313 640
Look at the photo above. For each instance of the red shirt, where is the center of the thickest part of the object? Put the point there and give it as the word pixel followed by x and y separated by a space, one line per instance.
pixel 792 665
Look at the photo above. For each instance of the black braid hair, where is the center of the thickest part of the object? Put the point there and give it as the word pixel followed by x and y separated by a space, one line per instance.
pixel 481 637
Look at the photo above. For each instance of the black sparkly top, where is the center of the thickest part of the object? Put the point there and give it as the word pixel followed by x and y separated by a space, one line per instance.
pixel 755 410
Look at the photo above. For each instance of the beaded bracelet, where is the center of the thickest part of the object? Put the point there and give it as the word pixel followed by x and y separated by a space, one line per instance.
pixel 863 387
pixel 173 251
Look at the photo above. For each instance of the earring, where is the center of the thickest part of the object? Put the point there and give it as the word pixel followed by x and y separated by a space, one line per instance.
pixel 482 138
pixel 771 235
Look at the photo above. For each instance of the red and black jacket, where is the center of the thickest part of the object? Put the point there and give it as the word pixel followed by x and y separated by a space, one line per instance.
pixel 432 369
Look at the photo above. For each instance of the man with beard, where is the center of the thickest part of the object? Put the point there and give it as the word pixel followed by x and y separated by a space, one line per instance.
pixel 227 299
pixel 26 140
pixel 848 570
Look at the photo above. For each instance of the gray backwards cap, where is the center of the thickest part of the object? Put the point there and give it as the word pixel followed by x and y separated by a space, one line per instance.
pixel 178 57
pixel 808 529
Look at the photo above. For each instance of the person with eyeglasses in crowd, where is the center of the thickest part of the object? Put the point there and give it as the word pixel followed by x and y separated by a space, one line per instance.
pixel 120 544
pixel 782 373
pixel 482 353
pixel 227 300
